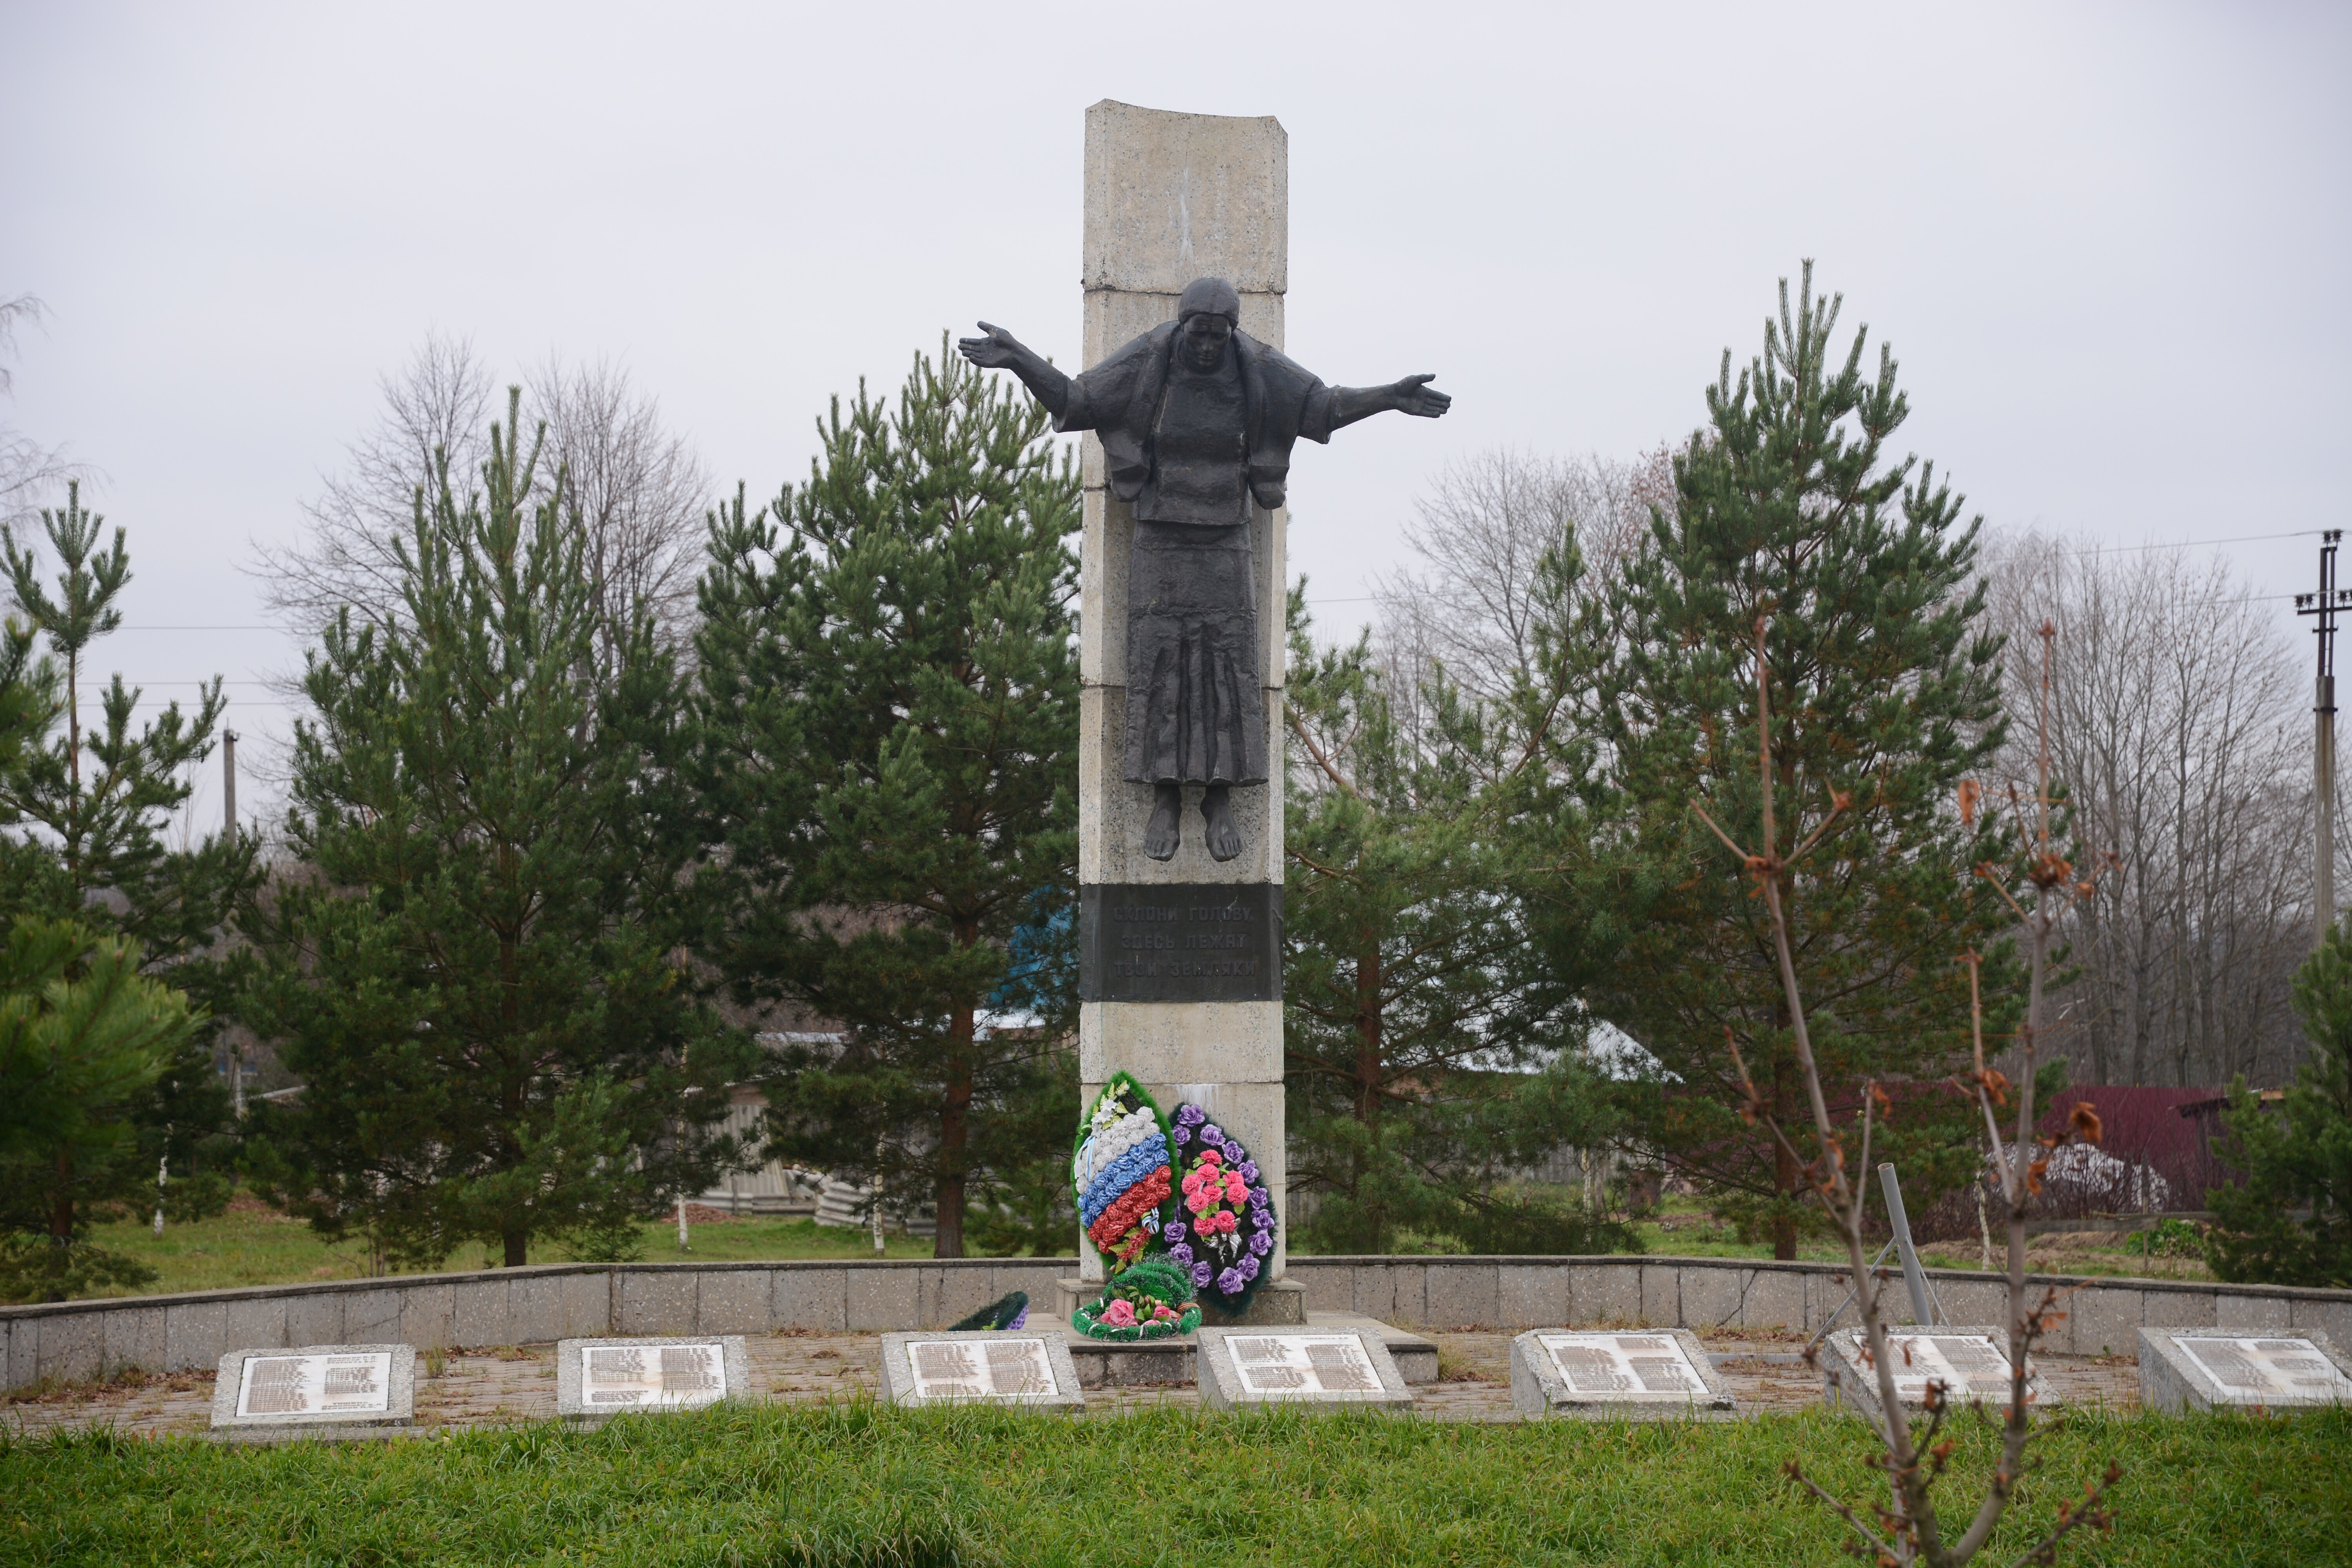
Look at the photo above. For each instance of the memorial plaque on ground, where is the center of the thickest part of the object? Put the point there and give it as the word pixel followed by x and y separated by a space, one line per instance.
pixel 1972 1364
pixel 981 1367
pixel 317 1387
pixel 1243 1369
pixel 2208 1369
pixel 1654 1377
pixel 1180 942
pixel 604 1377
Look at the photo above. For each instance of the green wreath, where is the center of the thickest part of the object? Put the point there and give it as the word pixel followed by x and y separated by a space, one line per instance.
pixel 1154 1299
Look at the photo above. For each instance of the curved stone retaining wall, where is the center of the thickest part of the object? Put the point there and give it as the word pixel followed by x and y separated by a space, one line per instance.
pixel 79 1340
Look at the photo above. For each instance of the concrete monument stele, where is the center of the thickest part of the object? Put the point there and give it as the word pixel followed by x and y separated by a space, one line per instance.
pixel 1191 410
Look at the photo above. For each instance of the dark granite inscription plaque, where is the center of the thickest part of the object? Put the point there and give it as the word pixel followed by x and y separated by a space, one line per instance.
pixel 1185 942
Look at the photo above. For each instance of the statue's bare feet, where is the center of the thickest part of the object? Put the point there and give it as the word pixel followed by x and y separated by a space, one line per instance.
pixel 1216 810
pixel 1165 830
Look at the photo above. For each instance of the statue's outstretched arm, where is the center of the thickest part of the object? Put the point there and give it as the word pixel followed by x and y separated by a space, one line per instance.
pixel 1413 395
pixel 1000 350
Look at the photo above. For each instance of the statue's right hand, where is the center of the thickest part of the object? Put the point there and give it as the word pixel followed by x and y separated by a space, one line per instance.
pixel 1000 350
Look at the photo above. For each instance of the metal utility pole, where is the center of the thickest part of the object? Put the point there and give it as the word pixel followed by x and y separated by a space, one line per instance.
pixel 228 782
pixel 2324 605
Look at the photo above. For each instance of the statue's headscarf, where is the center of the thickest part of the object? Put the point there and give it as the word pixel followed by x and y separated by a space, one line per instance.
pixel 1212 296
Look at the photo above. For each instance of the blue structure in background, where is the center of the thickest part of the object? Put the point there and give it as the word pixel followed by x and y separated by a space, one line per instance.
pixel 1043 953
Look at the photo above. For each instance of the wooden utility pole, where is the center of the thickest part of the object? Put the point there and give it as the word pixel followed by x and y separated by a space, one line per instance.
pixel 2324 604
pixel 228 783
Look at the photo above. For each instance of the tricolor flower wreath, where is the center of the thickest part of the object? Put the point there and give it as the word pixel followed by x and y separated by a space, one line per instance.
pixel 1120 1172
pixel 1224 1228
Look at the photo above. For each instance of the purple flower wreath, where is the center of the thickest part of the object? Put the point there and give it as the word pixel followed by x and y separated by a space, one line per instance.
pixel 1224 1225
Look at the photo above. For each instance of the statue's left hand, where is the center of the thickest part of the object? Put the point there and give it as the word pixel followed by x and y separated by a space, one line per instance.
pixel 1414 395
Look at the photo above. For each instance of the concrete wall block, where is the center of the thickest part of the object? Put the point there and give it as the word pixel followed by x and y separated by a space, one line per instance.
pixel 1375 1294
pixel 885 1299
pixel 1035 1281
pixel 1330 1287
pixel 479 1316
pixel 256 1325
pixel 732 1301
pixel 1462 1295
pixel 2263 1314
pixel 1710 1298
pixel 535 1309
pixel 2176 1310
pixel 1112 812
pixel 428 1315
pixel 20 1351
pixel 815 1298
pixel 588 1305
pixel 656 1302
pixel 2332 1318
pixel 369 1318
pixel 73 1346
pixel 1185 1042
pixel 1115 317
pixel 1775 1298
pixel 315 1319
pixel 191 1329
pixel 2103 1320
pixel 1169 195
pixel 1604 1293
pixel 1975 1300
pixel 1409 1283
pixel 1662 1296
pixel 1527 1296
pixel 134 1338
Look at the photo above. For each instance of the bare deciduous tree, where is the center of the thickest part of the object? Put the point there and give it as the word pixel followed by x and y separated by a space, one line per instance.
pixel 1908 1527
pixel 1481 534
pixel 638 493
pixel 2182 737
pixel 28 471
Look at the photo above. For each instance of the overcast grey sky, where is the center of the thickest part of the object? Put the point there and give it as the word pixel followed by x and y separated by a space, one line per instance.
pixel 2108 242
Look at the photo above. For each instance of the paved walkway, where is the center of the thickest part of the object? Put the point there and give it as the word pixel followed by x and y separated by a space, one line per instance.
pixel 479 1388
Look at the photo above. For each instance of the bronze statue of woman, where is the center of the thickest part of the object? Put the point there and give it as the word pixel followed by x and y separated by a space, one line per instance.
pixel 1196 419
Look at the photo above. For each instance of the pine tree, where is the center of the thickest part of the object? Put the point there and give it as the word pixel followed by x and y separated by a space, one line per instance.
pixel 478 976
pixel 1789 511
pixel 84 1038
pixel 891 714
pixel 1431 1049
pixel 2289 1221
pixel 83 814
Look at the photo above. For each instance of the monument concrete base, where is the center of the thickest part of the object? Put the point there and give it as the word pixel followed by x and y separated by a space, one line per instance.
pixel 1112 1363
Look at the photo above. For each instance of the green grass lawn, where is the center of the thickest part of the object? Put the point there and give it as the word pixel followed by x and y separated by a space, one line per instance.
pixel 252 1246
pixel 856 1484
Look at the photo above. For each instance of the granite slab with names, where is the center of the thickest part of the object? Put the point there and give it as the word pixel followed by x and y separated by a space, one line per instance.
pixel 2217 1368
pixel 325 1391
pixel 1661 1375
pixel 1971 1363
pixel 1250 1369
pixel 1030 1369
pixel 598 1378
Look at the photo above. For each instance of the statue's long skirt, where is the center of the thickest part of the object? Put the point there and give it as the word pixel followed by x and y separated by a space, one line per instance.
pixel 1195 701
